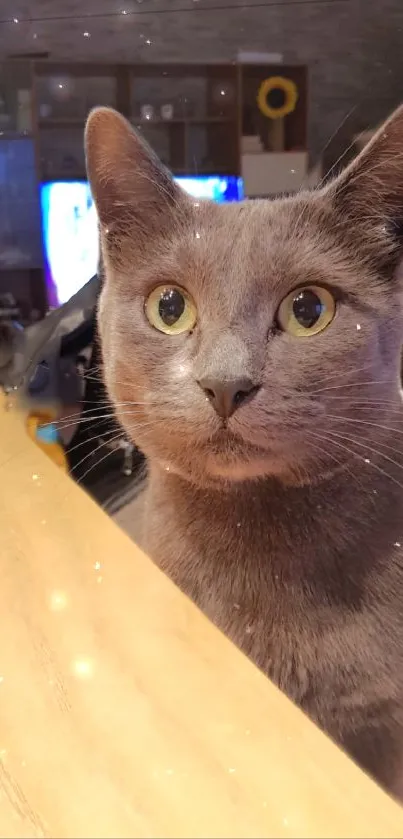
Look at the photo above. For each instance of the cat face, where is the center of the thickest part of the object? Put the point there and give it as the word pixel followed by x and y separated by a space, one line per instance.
pixel 249 340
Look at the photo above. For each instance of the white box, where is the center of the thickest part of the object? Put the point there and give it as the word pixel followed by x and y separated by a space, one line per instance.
pixel 273 173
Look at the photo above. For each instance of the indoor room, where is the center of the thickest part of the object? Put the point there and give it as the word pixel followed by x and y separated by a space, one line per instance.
pixel 201 331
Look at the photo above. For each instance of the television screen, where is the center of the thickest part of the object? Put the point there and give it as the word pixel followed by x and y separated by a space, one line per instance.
pixel 70 231
pixel 214 187
pixel 70 238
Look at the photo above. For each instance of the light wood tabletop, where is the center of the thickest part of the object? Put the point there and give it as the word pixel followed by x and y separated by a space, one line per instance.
pixel 123 712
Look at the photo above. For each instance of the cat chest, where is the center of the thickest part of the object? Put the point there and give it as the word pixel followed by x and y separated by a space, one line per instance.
pixel 281 645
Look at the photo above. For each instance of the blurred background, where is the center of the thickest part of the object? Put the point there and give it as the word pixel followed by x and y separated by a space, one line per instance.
pixel 264 96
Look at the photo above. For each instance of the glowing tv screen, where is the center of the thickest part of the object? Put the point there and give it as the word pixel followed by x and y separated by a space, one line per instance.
pixel 70 230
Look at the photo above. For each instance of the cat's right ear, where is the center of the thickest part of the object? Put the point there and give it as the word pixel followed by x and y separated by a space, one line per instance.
pixel 133 192
pixel 368 194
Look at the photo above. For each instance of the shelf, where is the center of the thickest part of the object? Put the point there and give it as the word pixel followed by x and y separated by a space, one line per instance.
pixel 185 121
pixel 62 122
pixel 204 126
pixel 79 122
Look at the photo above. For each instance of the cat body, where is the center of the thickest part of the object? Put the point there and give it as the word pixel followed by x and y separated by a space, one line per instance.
pixel 253 353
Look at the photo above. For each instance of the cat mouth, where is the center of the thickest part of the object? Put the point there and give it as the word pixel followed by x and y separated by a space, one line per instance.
pixel 229 444
pixel 225 438
pixel 230 440
pixel 229 456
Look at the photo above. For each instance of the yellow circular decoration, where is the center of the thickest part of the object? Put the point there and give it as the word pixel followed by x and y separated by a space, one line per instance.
pixel 290 91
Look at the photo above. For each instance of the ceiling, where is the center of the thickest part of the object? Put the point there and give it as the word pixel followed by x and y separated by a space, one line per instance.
pixel 143 30
pixel 112 30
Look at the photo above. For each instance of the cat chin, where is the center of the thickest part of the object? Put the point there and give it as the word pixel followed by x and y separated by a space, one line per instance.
pixel 237 471
pixel 213 472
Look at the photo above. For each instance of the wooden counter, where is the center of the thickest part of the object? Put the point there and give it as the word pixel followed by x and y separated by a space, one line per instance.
pixel 123 712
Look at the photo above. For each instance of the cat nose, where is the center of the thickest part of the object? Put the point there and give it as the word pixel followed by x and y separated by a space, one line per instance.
pixel 227 396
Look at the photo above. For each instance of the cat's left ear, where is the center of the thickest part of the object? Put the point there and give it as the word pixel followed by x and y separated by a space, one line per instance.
pixel 133 192
pixel 369 193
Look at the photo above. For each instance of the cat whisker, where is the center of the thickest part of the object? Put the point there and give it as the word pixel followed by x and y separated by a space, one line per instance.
pixel 107 434
pixel 131 408
pixel 78 419
pixel 352 439
pixel 357 421
pixel 99 461
pixel 354 384
pixel 382 408
pixel 90 378
pixel 101 445
pixel 327 454
pixel 93 466
pixel 360 457
pixel 113 437
pixel 388 403
pixel 344 374
pixel 79 413
pixel 329 172
pixel 324 451
pixel 285 389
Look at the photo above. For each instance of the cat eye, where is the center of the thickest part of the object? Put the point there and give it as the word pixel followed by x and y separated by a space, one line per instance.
pixel 306 311
pixel 170 309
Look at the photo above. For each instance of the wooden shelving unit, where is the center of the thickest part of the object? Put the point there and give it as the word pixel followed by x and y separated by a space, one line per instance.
pixel 209 107
pixel 200 136
pixel 196 117
pixel 63 95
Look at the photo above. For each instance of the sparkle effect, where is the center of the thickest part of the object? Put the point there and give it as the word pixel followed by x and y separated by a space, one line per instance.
pixel 58 601
pixel 83 668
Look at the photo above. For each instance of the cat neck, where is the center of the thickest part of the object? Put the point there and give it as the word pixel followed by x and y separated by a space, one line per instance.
pixel 272 565
pixel 341 525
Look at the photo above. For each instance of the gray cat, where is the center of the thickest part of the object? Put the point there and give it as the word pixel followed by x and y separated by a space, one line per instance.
pixel 253 351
